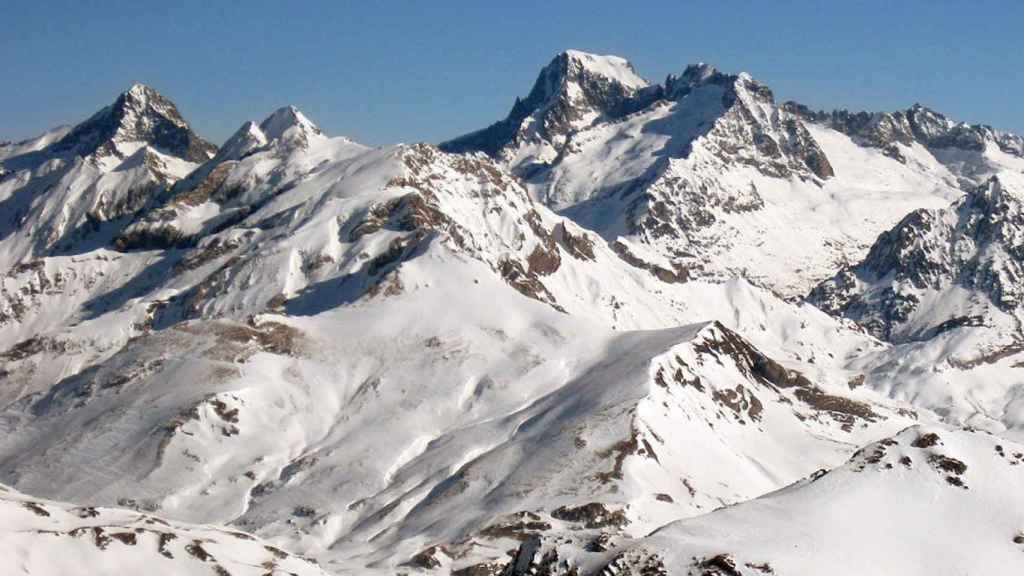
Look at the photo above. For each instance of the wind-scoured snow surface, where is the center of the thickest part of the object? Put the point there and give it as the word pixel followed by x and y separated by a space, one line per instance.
pixel 573 342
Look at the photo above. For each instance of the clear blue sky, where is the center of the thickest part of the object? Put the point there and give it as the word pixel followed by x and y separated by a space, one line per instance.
pixel 384 72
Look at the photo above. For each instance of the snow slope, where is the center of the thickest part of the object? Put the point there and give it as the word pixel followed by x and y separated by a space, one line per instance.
pixel 43 538
pixel 930 500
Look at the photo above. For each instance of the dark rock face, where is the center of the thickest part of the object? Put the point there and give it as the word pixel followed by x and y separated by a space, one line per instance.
pixel 976 244
pixel 143 115
pixel 874 129
pixel 936 131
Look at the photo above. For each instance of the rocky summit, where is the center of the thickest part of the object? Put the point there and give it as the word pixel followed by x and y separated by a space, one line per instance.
pixel 630 328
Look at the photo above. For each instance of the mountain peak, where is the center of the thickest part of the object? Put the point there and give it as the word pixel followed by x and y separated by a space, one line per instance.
pixel 139 91
pixel 918 277
pixel 613 68
pixel 699 72
pixel 139 115
pixel 247 138
pixel 571 91
pixel 287 123
pixel 143 100
pixel 702 74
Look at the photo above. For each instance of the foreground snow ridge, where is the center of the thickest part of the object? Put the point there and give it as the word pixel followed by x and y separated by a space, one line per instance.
pixel 630 328
pixel 45 537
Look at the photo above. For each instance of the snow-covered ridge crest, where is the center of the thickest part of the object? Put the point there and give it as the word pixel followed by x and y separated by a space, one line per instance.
pixel 566 100
pixel 973 152
pixel 255 164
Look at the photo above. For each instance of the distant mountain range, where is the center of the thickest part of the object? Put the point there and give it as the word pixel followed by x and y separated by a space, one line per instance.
pixel 630 328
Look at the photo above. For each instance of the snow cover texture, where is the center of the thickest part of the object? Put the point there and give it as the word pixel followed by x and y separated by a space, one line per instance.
pixel 631 328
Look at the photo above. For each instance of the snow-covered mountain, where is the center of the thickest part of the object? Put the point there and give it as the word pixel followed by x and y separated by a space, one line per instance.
pixel 68 188
pixel 945 285
pixel 553 346
pixel 705 175
pixel 573 91
pixel 940 269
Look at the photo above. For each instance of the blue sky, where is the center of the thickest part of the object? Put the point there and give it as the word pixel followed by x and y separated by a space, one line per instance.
pixel 384 72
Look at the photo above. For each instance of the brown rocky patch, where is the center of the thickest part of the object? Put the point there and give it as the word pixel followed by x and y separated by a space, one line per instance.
pixel 273 337
pixel 579 246
pixel 525 283
pixel 163 542
pixel 844 409
pixel 544 260
pixel 206 254
pixel 763 567
pixel 947 464
pixel 740 401
pixel 720 565
pixel 86 512
pixel 519 526
pixel 620 450
pixel 661 273
pixel 196 550
pixel 926 440
pixel 100 538
pixel 36 508
pixel 31 347
pixel 427 559
pixel 127 538
pixel 482 569
pixel 592 515
pixel 206 189
pixel 276 552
